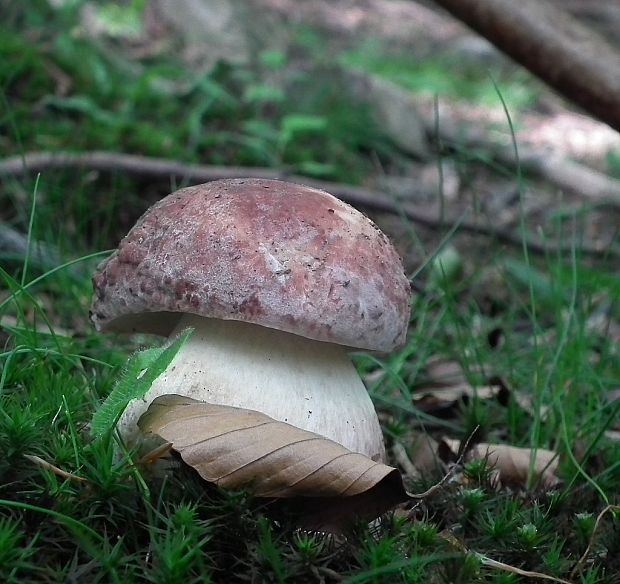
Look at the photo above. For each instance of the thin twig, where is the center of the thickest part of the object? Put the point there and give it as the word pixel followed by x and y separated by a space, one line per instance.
pixel 156 454
pixel 450 472
pixel 514 570
pixel 54 469
pixel 584 556
pixel 491 563
pixel 196 173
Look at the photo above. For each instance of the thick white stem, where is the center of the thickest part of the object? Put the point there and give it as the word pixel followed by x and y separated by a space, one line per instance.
pixel 309 384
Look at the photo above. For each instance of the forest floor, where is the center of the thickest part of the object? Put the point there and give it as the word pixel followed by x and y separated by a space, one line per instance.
pixel 504 400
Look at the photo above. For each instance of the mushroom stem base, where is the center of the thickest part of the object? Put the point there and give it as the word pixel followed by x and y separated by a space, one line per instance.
pixel 310 384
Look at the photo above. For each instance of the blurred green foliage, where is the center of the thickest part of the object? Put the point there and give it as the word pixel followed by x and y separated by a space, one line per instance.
pixel 63 90
pixel 451 75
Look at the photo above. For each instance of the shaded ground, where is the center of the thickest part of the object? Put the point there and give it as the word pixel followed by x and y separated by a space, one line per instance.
pixel 548 125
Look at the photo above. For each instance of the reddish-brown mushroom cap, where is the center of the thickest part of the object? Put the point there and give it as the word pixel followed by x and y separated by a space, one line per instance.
pixel 273 253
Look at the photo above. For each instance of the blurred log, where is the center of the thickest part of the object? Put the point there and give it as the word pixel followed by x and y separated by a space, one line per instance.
pixel 565 174
pixel 570 57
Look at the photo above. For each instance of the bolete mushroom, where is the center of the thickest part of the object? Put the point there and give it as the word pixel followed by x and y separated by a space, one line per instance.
pixel 279 282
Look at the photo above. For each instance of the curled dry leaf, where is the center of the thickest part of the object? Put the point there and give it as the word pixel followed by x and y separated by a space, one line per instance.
pixel 445 385
pixel 444 371
pixel 420 458
pixel 512 463
pixel 438 399
pixel 238 448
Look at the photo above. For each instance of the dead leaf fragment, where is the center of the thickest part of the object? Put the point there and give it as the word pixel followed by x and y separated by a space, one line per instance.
pixel 238 448
pixel 420 457
pixel 445 385
pixel 512 463
pixel 432 400
pixel 444 371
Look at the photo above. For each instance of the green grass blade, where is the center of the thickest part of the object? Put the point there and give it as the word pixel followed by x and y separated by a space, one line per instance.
pixel 399 566
pixel 30 227
pixel 42 277
pixel 69 522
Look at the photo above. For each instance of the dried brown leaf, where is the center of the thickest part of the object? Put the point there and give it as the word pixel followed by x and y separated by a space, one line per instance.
pixel 527 403
pixel 444 371
pixel 512 463
pixel 238 448
pixel 423 454
pixel 440 398
pixel 446 385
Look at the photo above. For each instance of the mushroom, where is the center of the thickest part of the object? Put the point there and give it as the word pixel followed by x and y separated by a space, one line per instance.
pixel 279 282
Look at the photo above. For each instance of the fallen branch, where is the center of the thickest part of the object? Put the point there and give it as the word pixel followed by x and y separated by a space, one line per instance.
pixel 572 58
pixel 567 175
pixel 196 173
